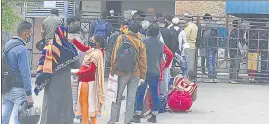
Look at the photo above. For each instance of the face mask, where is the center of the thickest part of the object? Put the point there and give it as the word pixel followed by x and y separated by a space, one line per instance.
pixel 28 38
pixel 92 44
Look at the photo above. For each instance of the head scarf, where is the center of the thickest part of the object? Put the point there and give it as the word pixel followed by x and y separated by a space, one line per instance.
pixel 57 54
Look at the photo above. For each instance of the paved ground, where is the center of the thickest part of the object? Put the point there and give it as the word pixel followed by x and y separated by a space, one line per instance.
pixel 216 104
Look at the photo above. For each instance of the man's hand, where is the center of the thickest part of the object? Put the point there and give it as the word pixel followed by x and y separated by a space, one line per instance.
pixel 71 38
pixel 74 72
pixel 30 100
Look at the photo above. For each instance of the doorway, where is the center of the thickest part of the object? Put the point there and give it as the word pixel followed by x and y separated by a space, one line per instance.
pixel 114 5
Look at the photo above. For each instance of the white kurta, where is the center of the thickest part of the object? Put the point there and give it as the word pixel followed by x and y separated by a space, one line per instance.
pixel 92 99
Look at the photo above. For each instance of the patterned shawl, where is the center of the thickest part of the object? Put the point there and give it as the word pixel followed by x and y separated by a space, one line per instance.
pixel 57 54
pixel 96 56
pixel 180 84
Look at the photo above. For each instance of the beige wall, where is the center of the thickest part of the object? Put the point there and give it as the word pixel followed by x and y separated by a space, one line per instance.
pixel 199 8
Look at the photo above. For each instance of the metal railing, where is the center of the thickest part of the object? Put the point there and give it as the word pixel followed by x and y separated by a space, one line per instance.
pixel 253 55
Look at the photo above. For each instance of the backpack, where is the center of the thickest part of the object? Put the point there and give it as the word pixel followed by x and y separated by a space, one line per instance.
pixel 7 76
pixel 112 40
pixel 100 29
pixel 168 38
pixel 175 34
pixel 126 56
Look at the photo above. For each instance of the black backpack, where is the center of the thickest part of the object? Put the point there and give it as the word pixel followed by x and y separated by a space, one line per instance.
pixel 175 34
pixel 126 56
pixel 7 76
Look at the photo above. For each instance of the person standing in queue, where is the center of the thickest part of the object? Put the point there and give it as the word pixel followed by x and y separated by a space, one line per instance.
pixel 91 96
pixel 131 69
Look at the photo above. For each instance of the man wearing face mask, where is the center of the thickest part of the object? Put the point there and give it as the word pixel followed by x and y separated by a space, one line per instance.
pixel 17 56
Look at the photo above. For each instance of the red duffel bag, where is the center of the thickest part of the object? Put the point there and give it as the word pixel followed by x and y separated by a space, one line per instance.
pixel 179 100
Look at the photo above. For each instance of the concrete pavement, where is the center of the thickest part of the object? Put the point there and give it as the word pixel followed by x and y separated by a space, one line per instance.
pixel 216 104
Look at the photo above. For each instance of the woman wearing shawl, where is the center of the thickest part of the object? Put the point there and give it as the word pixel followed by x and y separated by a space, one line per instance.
pixel 183 101
pixel 91 81
pixel 53 74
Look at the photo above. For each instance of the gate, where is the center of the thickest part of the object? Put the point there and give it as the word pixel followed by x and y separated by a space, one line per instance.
pixel 232 53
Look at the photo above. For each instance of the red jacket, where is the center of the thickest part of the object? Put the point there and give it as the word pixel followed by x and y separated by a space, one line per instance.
pixel 168 60
pixel 86 73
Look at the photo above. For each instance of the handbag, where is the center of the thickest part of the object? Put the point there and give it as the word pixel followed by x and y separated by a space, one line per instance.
pixel 40 44
pixel 30 115
pixel 179 100
pixel 112 88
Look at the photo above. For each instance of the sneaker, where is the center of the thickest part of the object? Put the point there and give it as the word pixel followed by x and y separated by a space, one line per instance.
pixel 234 82
pixel 239 78
pixel 204 73
pixel 215 80
pixel 208 81
pixel 136 119
pixel 211 80
pixel 110 122
pixel 152 119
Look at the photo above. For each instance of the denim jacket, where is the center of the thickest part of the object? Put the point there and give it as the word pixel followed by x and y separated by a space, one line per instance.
pixel 18 58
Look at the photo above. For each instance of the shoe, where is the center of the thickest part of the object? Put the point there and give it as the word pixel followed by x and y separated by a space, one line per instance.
pixel 110 122
pixel 239 78
pixel 208 81
pixel 152 119
pixel 215 80
pixel 234 82
pixel 136 119
pixel 204 73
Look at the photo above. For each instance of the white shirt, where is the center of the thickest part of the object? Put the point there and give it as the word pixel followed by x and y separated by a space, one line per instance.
pixel 182 42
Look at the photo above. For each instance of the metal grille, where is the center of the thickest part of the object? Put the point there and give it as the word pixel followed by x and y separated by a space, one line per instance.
pixel 235 54
pixel 36 9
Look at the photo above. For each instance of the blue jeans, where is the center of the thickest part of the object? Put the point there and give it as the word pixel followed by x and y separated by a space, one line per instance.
pixel 212 61
pixel 151 80
pixel 12 101
pixel 184 66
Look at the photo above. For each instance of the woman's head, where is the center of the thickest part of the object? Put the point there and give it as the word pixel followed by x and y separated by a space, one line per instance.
pixel 61 33
pixel 97 42
pixel 191 75
pixel 153 30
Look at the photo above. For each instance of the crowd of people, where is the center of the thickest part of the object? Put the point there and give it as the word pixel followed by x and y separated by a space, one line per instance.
pixel 141 53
